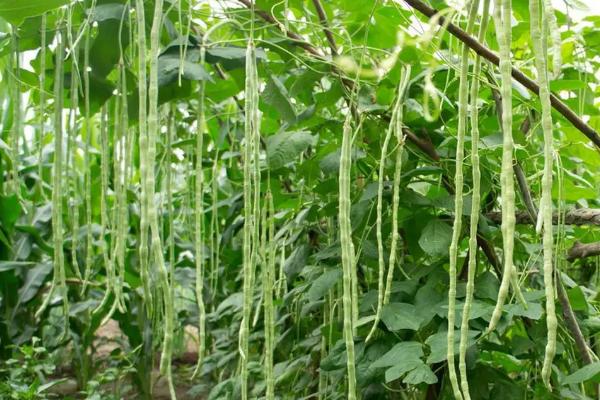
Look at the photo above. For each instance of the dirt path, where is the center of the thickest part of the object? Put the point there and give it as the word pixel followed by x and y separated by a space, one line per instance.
pixel 109 337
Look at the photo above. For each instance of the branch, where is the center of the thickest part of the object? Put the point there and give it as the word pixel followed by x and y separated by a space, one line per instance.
pixel 323 18
pixel 580 216
pixel 572 324
pixel 519 76
pixel 583 250
pixel 490 253
pixel 522 183
pixel 424 145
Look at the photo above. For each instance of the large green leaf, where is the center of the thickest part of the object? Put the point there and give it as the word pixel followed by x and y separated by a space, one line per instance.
pixel 421 374
pixel 10 209
pixel 586 373
pixel 323 283
pixel 401 353
pixel 296 261
pixel 398 316
pixel 438 345
pixel 436 237
pixel 284 148
pixel 533 310
pixel 16 11
pixel 276 95
pixel 231 57
pixel 169 68
pixel 33 281
pixel 396 372
pixel 103 12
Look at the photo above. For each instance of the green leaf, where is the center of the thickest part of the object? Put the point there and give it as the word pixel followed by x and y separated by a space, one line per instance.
pixel 370 191
pixel 436 237
pixel 533 311
pixel 33 281
pixel 421 374
pixel 336 358
pixel 398 316
pixel 422 171
pixel 285 147
pixel 43 388
pixel 486 286
pixel 105 54
pixel 231 304
pixel 588 372
pixel 593 324
pixel 508 362
pixel 396 372
pixel 103 12
pixel 491 141
pixel 296 261
pixel 231 57
pixel 479 309
pixel 10 265
pixel 10 210
pixel 567 84
pixel 399 354
pixel 16 11
pixel 438 344
pixel 322 284
pixel 276 95
pixel 577 299
pixel 169 67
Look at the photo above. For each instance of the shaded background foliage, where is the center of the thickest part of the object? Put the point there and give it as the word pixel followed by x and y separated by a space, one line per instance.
pixel 303 101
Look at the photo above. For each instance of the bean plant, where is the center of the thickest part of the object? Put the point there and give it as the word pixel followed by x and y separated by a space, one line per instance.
pixel 299 199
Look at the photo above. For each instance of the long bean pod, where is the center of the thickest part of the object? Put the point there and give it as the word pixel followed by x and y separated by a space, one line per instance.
pixel 539 25
pixel 268 290
pixel 502 22
pixel 400 139
pixel 458 198
pixel 475 208
pixel 347 252
pixel 143 148
pixel 250 225
pixel 59 279
pixel 86 162
pixel 394 129
pixel 42 104
pixel 199 218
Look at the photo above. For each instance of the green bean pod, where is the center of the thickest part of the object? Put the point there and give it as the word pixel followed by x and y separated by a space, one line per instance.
pixel 347 252
pixel 475 207
pixel 537 37
pixel 502 21
pixel 463 97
